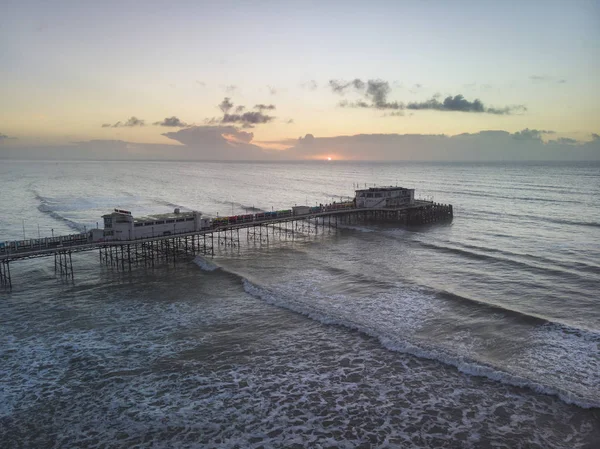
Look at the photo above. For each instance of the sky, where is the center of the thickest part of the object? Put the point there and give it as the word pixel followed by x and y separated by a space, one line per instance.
pixel 300 79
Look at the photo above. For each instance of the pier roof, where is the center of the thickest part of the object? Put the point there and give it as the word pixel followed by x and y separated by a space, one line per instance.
pixel 382 189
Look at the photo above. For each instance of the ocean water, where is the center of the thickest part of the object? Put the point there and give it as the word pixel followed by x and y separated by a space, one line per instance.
pixel 480 333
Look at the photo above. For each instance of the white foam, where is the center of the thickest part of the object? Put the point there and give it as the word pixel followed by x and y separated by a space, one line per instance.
pixel 464 363
pixel 205 265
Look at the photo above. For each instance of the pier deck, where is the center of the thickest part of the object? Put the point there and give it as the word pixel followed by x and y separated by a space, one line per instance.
pixel 120 253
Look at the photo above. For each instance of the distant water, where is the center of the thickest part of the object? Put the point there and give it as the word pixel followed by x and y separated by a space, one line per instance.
pixel 480 333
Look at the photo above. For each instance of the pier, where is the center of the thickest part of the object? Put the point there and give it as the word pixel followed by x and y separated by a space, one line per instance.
pixel 149 250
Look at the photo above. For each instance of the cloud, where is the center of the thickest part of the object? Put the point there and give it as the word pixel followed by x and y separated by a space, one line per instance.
pixel 565 141
pixel 171 121
pixel 228 142
pixel 272 90
pixel 4 137
pixel 264 107
pixel 531 134
pixel 459 103
pixel 230 88
pixel 481 146
pixel 375 91
pixel 546 79
pixel 217 143
pixel 201 83
pixel 247 118
pixel 310 85
pixel 132 122
pixel 340 87
pixel 290 121
pixel 394 114
pixel 226 105
pixel 209 135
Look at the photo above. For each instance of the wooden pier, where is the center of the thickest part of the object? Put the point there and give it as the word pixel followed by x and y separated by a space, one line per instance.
pixel 124 255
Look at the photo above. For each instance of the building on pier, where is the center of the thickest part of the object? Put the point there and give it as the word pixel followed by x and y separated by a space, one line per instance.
pixel 121 225
pixel 381 197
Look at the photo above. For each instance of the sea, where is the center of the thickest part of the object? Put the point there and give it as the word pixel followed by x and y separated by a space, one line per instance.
pixel 483 332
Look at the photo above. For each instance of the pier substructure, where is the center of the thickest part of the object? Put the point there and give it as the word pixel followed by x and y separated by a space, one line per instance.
pixel 63 264
pixel 424 213
pixel 5 279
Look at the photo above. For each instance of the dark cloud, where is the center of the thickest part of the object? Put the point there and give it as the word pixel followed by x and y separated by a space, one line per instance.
pixel 264 107
pixel 340 87
pixel 459 103
pixel 375 91
pixel 226 105
pixel 171 121
pixel 531 134
pixel 247 118
pixel 310 85
pixel 595 136
pixel 132 122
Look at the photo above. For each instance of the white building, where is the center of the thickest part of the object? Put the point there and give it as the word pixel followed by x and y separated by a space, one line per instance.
pixel 380 197
pixel 120 224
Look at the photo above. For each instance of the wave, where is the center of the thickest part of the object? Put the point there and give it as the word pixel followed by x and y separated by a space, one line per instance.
pixel 463 364
pixel 420 349
pixel 237 205
pixel 46 207
pixel 516 263
pixel 534 218
pixel 205 265
pixel 506 197
pixel 169 204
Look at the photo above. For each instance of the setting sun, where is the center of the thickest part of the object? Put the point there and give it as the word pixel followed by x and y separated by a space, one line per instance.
pixel 328 158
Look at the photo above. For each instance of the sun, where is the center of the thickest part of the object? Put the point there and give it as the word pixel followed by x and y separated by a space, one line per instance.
pixel 328 158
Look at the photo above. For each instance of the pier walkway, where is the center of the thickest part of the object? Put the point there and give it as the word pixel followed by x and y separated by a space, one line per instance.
pixel 122 254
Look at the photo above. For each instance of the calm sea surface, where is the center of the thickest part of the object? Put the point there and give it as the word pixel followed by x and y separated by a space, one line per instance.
pixel 480 333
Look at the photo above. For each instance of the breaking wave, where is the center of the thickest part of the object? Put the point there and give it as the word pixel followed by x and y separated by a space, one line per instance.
pixel 421 349
pixel 49 206
pixel 463 364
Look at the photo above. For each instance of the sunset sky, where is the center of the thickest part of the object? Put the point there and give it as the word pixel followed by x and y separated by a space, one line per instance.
pixel 76 71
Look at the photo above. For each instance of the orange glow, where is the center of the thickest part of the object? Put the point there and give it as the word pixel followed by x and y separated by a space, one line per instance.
pixel 326 157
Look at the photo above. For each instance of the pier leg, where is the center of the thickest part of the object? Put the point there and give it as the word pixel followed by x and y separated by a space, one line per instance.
pixel 71 265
